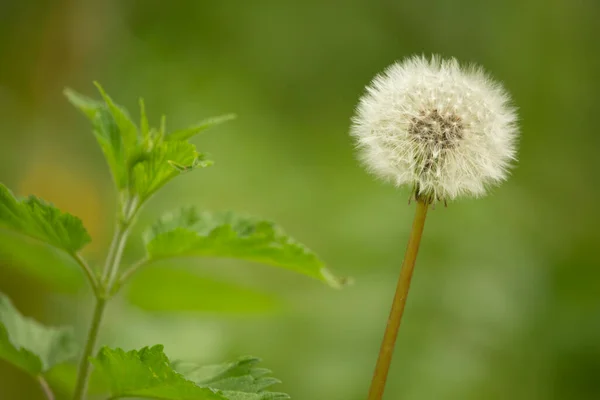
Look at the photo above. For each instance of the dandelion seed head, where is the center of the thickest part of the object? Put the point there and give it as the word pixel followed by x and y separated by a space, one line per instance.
pixel 443 129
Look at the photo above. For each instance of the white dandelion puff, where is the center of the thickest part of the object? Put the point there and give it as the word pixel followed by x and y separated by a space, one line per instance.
pixel 442 129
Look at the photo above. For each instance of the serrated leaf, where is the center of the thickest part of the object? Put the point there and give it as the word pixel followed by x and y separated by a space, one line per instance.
pixel 229 395
pixel 127 128
pixel 36 218
pixel 158 288
pixel 28 344
pixel 147 373
pixel 225 234
pixel 107 133
pixel 166 160
pixel 185 134
pixel 141 160
pixel 238 380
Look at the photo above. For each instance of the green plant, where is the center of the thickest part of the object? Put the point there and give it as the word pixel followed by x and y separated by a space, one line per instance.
pixel 142 160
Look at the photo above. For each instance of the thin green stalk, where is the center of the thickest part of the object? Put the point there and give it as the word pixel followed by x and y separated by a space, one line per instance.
pixel 88 271
pixel 129 272
pixel 111 252
pixel 119 239
pixel 84 366
pixel 129 212
pixel 123 233
pixel 391 332
pixel 103 293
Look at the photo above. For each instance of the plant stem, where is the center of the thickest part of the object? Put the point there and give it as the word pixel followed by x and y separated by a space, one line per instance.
pixel 121 233
pixel 130 271
pixel 111 252
pixel 84 366
pixel 113 260
pixel 88 271
pixel 391 332
pixel 45 388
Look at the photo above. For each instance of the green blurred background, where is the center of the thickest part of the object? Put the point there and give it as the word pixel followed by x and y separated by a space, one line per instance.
pixel 505 302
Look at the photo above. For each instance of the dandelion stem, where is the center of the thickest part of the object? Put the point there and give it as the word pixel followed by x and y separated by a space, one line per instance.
pixel 391 332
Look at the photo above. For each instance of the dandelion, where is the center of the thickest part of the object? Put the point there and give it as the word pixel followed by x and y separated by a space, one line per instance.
pixel 443 130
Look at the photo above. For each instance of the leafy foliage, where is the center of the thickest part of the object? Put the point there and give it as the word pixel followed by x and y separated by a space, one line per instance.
pixel 238 380
pixel 166 160
pixel 149 373
pixel 146 373
pixel 127 129
pixel 36 218
pixel 29 345
pixel 106 132
pixel 141 160
pixel 226 234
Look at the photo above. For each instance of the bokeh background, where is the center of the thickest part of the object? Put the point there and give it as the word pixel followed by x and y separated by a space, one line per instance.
pixel 505 302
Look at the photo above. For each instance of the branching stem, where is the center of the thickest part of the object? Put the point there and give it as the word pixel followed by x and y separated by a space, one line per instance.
pixel 391 332
pixel 103 293
pixel 121 234
pixel 88 272
pixel 130 271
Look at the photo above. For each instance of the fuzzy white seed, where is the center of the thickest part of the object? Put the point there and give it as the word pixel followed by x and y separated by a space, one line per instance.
pixel 443 129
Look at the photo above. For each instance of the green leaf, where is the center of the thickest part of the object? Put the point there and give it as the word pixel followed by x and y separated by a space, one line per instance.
pixel 166 160
pixel 158 288
pixel 190 233
pixel 147 373
pixel 107 133
pixel 36 218
pixel 185 134
pixel 141 160
pixel 86 105
pixel 238 380
pixel 127 128
pixel 29 345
